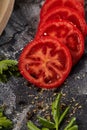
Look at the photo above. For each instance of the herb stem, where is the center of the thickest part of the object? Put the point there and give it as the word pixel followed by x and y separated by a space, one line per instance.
pixel 63 115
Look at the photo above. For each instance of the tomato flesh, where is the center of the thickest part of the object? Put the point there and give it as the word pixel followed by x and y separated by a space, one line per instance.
pixel 66 33
pixel 45 62
pixel 65 13
pixel 52 4
pixel 81 1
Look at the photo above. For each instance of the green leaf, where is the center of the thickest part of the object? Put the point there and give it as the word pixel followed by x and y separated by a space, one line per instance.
pixel 45 129
pixel 63 115
pixel 6 123
pixel 2 108
pixel 46 123
pixel 0 127
pixel 75 127
pixel 56 110
pixel 7 69
pixel 1 114
pixel 31 126
pixel 4 64
pixel 71 123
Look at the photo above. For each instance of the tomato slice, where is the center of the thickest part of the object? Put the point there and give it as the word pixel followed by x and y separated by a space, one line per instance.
pixel 81 1
pixel 66 33
pixel 45 62
pixel 66 14
pixel 52 4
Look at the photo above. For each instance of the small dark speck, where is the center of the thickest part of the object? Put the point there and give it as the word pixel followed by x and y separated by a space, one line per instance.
pixel 39 89
pixel 30 115
pixel 22 103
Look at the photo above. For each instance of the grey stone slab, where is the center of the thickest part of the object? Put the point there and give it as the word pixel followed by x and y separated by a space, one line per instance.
pixel 22 97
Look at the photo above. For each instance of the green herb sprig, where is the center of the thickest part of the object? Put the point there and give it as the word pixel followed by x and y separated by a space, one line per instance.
pixel 7 69
pixel 57 118
pixel 5 123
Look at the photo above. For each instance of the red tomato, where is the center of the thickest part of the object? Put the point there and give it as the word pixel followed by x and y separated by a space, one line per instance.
pixel 81 1
pixel 66 14
pixel 66 33
pixel 52 4
pixel 45 62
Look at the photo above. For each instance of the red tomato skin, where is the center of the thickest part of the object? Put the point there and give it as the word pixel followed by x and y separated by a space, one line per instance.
pixel 38 83
pixel 73 4
pixel 82 2
pixel 41 31
pixel 77 19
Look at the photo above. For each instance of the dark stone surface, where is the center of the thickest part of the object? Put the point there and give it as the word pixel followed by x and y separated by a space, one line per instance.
pixel 22 97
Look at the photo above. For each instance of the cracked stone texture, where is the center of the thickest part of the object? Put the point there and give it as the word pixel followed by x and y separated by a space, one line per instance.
pixel 23 100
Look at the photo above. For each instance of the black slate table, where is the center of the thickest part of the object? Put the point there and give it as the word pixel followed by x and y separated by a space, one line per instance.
pixel 24 99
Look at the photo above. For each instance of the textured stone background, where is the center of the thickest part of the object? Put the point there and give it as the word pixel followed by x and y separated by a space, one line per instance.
pixel 22 97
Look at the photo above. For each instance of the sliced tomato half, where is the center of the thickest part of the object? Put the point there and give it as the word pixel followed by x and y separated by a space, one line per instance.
pixel 45 62
pixel 52 4
pixel 66 14
pixel 66 33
